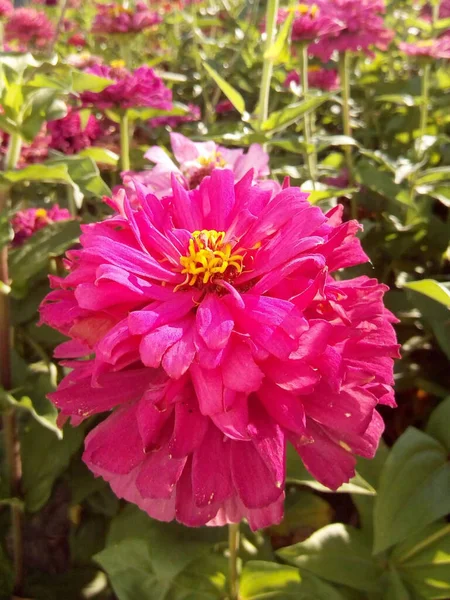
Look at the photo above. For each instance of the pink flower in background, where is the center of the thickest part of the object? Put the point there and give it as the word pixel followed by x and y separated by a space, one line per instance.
pixel 141 87
pixel 322 79
pixel 219 334
pixel 311 22
pixel 29 28
pixel 30 153
pixel 26 222
pixel 77 39
pixel 114 18
pixel 68 135
pixel 363 28
pixel 444 10
pixel 196 160
pixel 224 106
pixel 433 49
pixel 6 8
pixel 194 114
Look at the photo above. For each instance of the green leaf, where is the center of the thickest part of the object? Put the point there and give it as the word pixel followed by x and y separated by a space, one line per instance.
pixel 31 257
pixel 337 553
pixel 101 156
pixel 279 46
pixel 381 182
pixel 6 231
pixel 434 175
pixel 230 92
pixel 431 299
pixel 147 559
pixel 262 580
pixel 83 174
pixel 306 511
pixel 423 562
pixel 438 424
pixel 414 488
pixel 44 413
pixel 432 289
pixel 297 473
pixel 44 459
pixel 292 113
pixel 88 82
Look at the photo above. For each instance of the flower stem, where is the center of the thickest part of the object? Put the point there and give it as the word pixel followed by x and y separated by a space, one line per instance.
pixel 124 142
pixel 59 26
pixel 233 547
pixel 13 153
pixel 9 425
pixel 425 98
pixel 344 73
pixel 264 94
pixel 309 155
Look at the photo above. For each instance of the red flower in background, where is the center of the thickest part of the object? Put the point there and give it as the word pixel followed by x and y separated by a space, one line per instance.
pixel 26 222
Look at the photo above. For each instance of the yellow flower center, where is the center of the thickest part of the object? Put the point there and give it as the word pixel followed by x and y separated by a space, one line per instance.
pixel 41 213
pixel 117 64
pixel 215 159
pixel 209 256
pixel 305 9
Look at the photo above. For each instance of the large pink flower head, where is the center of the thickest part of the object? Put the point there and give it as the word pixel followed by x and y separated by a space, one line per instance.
pixel 217 333
pixel 68 134
pixel 6 8
pixel 363 28
pixel 429 49
pixel 141 87
pixel 29 28
pixel 322 79
pixel 196 160
pixel 26 222
pixel 311 22
pixel 114 18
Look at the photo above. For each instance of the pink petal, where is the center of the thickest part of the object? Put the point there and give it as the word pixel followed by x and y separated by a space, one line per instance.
pixel 214 322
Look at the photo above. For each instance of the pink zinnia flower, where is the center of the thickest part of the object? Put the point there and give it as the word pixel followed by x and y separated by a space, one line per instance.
pixel 77 39
pixel 194 114
pixel 69 137
pixel 311 22
pixel 196 160
pixel 224 106
pixel 29 27
pixel 30 153
pixel 6 8
pixel 26 222
pixel 141 87
pixel 363 29
pixel 219 334
pixel 114 18
pixel 322 79
pixel 432 49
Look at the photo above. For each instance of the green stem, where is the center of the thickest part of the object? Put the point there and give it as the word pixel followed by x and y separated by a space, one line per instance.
pixel 233 548
pixel 309 155
pixel 124 142
pixel 13 153
pixel 264 93
pixel 59 26
pixel 344 73
pixel 9 424
pixel 425 99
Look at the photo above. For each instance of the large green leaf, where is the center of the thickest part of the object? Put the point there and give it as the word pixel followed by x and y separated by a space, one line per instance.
pixel 382 183
pixel 439 423
pixel 337 553
pixel 305 511
pixel 230 92
pixel 432 289
pixel 44 459
pixel 414 488
pixel 291 114
pixel 33 256
pixel 423 562
pixel 270 581
pixel 150 560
